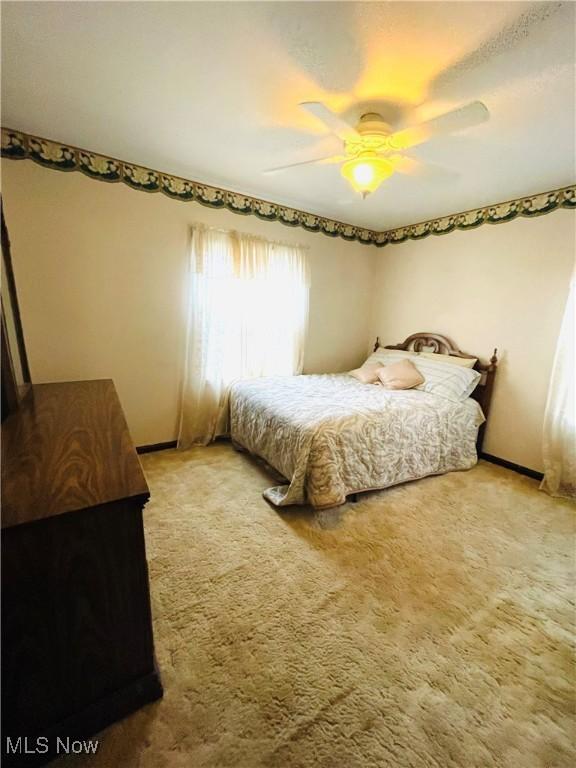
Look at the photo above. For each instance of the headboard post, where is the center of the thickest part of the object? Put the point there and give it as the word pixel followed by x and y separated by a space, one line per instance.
pixel 490 371
pixel 494 360
pixel 377 343
pixel 484 396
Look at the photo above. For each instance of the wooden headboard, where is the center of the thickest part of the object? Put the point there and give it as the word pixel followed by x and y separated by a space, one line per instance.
pixel 433 342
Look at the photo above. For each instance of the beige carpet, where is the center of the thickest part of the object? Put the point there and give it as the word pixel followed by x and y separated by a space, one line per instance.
pixel 428 625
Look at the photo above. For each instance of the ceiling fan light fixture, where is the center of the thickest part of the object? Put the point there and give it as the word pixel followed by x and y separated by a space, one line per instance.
pixel 366 172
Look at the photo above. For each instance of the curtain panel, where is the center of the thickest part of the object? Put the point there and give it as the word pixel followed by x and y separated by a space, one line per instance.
pixel 559 445
pixel 247 317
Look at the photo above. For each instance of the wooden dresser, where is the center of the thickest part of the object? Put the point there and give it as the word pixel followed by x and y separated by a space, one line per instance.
pixel 77 650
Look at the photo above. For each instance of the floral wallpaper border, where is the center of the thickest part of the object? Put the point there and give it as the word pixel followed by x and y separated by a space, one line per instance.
pixel 17 145
pixel 535 205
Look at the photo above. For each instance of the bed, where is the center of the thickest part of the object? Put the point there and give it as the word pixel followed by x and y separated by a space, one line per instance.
pixel 331 436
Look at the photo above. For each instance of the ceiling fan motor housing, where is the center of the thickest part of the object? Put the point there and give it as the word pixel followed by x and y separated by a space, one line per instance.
pixel 373 123
pixel 372 135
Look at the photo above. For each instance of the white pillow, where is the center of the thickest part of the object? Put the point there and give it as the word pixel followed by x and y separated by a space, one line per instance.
pixel 466 362
pixel 380 357
pixel 452 382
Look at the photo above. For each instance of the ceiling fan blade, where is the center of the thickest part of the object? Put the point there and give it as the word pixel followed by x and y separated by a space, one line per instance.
pixel 411 166
pixel 463 117
pixel 315 161
pixel 331 120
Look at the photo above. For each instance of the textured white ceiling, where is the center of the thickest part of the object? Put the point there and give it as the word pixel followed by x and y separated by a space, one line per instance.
pixel 210 91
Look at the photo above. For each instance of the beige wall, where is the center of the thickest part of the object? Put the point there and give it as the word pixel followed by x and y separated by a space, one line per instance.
pixel 101 275
pixel 499 286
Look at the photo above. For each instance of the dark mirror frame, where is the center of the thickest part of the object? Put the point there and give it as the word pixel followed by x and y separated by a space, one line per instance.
pixel 13 391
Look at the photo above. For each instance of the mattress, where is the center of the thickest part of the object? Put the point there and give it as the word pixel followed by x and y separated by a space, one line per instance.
pixel 330 435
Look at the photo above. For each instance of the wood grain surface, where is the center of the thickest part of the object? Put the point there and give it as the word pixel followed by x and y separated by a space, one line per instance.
pixel 67 448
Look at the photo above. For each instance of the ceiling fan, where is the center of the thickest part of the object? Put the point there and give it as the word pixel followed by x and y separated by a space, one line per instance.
pixel 372 152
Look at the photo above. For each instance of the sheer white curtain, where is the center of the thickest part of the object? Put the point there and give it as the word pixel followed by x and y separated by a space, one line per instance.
pixel 247 317
pixel 559 447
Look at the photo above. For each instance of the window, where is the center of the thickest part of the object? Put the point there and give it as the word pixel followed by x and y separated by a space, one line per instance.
pixel 247 317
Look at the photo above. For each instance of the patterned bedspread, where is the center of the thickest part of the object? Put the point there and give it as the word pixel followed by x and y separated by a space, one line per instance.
pixel 331 436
